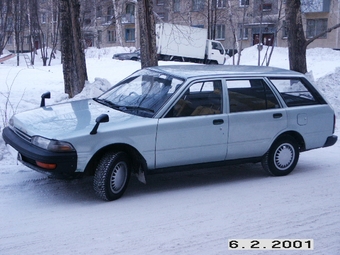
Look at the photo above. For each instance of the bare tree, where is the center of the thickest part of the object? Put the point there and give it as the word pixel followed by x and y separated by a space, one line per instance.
pixel 296 37
pixel 19 25
pixel 118 12
pixel 73 56
pixel 34 28
pixel 236 40
pixel 6 23
pixel 147 33
pixel 297 42
pixel 55 24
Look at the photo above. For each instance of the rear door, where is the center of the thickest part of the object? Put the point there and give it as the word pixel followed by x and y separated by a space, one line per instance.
pixel 256 117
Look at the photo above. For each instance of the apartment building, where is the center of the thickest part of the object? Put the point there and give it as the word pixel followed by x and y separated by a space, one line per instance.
pixel 244 22
pixel 235 23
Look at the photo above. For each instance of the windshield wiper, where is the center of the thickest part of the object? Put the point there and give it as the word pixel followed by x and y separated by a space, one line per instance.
pixel 106 102
pixel 129 107
pixel 121 107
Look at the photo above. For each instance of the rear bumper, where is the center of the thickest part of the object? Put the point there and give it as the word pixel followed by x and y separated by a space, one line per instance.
pixel 28 154
pixel 331 140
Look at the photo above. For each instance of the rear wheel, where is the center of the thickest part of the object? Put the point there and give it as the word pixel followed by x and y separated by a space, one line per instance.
pixel 112 176
pixel 282 156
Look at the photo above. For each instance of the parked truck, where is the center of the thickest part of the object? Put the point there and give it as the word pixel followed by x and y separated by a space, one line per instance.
pixel 187 44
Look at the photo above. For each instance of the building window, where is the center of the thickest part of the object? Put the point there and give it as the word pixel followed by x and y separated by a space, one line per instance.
pixel 220 32
pixel 244 3
pixel 266 7
pixel 197 5
pixel 99 36
pixel 54 16
pixel 10 40
pixel 316 27
pixel 98 11
pixel 160 2
pixel 177 5
pixel 111 36
pixel 130 9
pixel 87 22
pixel 129 16
pixel 243 33
pixel 43 18
pixel 161 15
pixel 110 14
pixel 129 35
pixel 221 3
pixel 284 30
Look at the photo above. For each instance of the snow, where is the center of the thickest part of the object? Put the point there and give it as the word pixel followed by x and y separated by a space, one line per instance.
pixel 178 213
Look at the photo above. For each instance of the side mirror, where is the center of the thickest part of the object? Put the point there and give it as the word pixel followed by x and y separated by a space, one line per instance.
pixel 101 119
pixel 43 96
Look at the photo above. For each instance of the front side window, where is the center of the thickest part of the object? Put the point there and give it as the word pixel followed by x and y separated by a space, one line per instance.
pixel 201 98
pixel 250 95
pixel 296 92
pixel 143 94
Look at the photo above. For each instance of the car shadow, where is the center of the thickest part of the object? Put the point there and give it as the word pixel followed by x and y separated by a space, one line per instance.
pixel 81 190
pixel 174 181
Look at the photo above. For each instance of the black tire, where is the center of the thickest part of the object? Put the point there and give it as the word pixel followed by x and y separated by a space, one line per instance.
pixel 112 176
pixel 282 156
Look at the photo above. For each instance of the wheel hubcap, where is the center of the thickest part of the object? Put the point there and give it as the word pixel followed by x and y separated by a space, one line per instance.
pixel 118 177
pixel 284 156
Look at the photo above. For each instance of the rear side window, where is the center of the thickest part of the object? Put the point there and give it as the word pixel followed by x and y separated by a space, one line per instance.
pixel 250 95
pixel 297 92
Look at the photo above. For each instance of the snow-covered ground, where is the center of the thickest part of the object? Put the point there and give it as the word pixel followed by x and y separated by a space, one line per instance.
pixel 180 213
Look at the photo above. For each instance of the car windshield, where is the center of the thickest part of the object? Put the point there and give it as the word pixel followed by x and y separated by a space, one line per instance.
pixel 143 93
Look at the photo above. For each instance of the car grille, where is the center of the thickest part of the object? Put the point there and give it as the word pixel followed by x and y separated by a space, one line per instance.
pixel 23 135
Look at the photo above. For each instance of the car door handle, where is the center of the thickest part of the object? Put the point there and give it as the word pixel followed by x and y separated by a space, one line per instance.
pixel 277 115
pixel 218 122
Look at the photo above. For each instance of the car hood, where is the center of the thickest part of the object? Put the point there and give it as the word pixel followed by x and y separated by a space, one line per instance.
pixel 65 120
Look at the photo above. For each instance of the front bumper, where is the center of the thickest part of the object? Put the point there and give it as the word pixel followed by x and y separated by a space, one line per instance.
pixel 29 155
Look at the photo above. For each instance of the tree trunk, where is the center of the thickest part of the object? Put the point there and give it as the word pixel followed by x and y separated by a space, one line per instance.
pixel 147 33
pixel 74 65
pixel 297 45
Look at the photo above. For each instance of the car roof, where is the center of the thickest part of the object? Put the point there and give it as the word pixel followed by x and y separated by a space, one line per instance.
pixel 191 71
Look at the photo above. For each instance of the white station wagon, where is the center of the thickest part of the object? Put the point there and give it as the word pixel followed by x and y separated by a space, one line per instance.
pixel 172 117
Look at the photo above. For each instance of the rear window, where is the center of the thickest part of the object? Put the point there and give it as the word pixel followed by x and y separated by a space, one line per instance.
pixel 297 92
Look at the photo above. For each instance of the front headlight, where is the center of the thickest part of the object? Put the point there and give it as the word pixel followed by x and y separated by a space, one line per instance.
pixel 11 123
pixel 51 144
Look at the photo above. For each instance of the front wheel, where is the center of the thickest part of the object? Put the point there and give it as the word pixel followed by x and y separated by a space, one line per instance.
pixel 112 176
pixel 282 156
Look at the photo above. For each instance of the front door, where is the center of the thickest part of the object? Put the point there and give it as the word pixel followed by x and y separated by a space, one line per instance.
pixel 195 129
pixel 267 39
